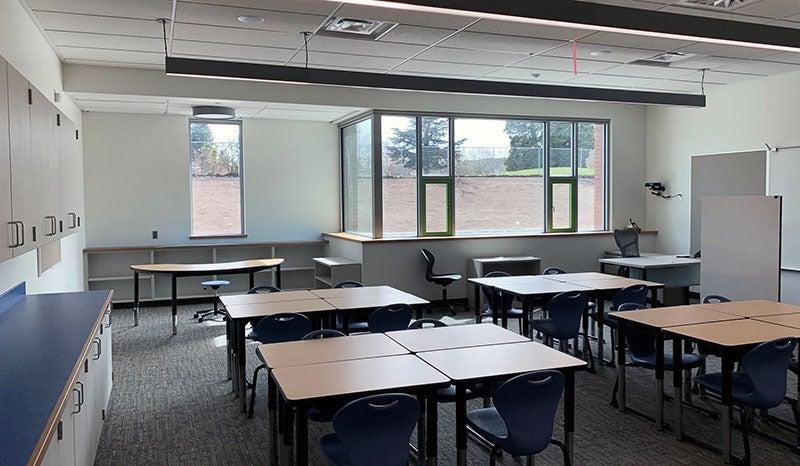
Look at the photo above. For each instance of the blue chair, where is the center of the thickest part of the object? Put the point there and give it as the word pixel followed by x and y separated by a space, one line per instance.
pixel 354 325
pixel 214 285
pixel 759 384
pixel 426 323
pixel 564 323
pixel 349 284
pixel 521 421
pixel 641 345
pixel 553 271
pixel 374 430
pixel 715 298
pixel 324 333
pixel 277 328
pixel 255 290
pixel 323 412
pixel 506 302
pixel 390 318
pixel 630 294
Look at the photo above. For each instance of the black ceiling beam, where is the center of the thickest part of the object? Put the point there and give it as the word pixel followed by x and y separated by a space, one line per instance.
pixel 611 16
pixel 294 74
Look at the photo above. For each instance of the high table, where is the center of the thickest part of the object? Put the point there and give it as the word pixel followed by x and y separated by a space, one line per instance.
pixel 673 271
pixel 467 366
pixel 730 340
pixel 301 353
pixel 301 386
pixel 249 267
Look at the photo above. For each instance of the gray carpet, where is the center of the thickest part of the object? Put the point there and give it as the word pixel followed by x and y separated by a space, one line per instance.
pixel 171 404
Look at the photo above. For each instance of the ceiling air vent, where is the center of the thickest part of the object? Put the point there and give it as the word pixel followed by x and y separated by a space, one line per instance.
pixel 727 5
pixel 355 28
pixel 663 59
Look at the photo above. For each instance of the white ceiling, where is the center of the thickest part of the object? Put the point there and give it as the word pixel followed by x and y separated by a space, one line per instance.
pixel 125 33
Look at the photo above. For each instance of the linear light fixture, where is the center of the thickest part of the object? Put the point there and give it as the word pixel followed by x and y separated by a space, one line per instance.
pixel 608 18
pixel 191 67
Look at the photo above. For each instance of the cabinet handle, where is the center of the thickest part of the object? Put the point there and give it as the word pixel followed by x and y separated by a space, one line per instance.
pixel 15 235
pixel 73 217
pixel 99 348
pixel 22 230
pixel 80 397
pixel 52 222
pixel 108 313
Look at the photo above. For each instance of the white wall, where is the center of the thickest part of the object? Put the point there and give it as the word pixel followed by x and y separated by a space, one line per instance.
pixel 25 48
pixel 737 118
pixel 137 179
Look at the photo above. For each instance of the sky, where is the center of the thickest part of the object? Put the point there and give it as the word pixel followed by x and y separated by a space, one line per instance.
pixel 478 133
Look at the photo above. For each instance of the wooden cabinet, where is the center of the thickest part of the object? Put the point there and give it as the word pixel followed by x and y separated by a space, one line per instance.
pixel 6 226
pixel 69 177
pixel 44 157
pixel 24 199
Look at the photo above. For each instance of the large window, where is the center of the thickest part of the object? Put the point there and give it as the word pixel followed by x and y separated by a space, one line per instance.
pixel 216 178
pixel 357 171
pixel 444 175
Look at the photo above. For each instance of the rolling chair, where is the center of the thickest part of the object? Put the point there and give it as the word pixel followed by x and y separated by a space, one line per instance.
pixel 506 302
pixel 355 325
pixel 277 328
pixel 214 285
pixel 521 421
pixel 372 430
pixel 390 318
pixel 441 279
pixel 627 240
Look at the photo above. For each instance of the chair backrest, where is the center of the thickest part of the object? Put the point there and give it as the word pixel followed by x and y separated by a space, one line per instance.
pixel 715 298
pixel 390 318
pixel 423 323
pixel 553 271
pixel 507 299
pixel 630 294
pixel 264 289
pixel 324 333
pixel 377 429
pixel 349 284
pixel 566 310
pixel 627 240
pixel 429 261
pixel 528 403
pixel 766 365
pixel 641 342
pixel 285 326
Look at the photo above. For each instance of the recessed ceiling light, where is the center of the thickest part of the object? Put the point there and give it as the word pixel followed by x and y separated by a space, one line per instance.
pixel 600 53
pixel 248 19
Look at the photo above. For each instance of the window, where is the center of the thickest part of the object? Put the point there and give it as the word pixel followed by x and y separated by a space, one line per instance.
pixel 357 171
pixel 216 181
pixel 467 175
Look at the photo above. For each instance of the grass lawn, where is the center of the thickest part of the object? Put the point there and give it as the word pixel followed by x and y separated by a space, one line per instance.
pixel 555 171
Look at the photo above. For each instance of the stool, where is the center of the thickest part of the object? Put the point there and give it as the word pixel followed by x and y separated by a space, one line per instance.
pixel 214 285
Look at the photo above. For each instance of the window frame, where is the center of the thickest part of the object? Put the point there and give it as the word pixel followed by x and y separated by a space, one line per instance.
pixel 242 231
pixel 377 207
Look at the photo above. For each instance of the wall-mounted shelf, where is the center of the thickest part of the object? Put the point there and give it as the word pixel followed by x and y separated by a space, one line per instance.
pixel 108 267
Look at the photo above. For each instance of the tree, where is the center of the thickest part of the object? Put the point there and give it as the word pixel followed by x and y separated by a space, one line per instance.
pixel 526 138
pixel 402 146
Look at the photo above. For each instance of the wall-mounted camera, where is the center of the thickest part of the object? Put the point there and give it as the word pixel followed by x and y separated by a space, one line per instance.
pixel 659 190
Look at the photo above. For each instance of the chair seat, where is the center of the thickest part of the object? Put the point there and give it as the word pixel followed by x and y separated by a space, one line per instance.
pixel 215 283
pixel 334 450
pixel 358 326
pixel 548 327
pixel 741 385
pixel 608 320
pixel 488 423
pixel 688 361
pixel 444 279
pixel 324 412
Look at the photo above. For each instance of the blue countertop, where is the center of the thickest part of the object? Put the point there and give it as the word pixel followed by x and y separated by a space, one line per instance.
pixel 41 338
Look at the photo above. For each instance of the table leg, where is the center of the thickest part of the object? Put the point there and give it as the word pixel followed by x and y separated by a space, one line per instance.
pixel 527 308
pixel 229 347
pixel 272 403
pixel 418 312
pixel 345 322
pixel 504 315
pixel 174 305
pixel 422 451
pixel 587 348
pixel 301 443
pixel 621 365
pixel 241 358
pixel 677 384
pixel 602 267
pixel 493 297
pixel 235 357
pixel 569 415
pixel 252 280
pixel 477 303
pixel 461 425
pixel 727 405
pixel 286 421
pixel 278 275
pixel 600 329
pixel 660 379
pixel 135 299
pixel 432 420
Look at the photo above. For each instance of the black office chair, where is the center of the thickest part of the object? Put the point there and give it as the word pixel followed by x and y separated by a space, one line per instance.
pixel 553 271
pixel 627 240
pixel 441 279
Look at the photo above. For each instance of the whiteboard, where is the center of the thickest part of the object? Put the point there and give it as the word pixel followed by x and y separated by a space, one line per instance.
pixel 741 241
pixel 784 180
pixel 731 173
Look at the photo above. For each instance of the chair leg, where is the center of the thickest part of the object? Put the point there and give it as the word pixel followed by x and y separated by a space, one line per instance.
pixel 447 302
pixel 745 435
pixel 493 457
pixel 529 461
pixel 564 452
pixel 796 414
pixel 253 390
pixel 614 392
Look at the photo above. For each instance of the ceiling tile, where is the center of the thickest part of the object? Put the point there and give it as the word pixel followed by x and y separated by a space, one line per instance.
pixel 297 115
pixel 542 62
pixel 115 104
pixel 735 15
pixel 116 56
pixel 105 41
pixel 237 104
pixel 719 50
pixel 499 43
pixel 231 52
pixel 525 75
pixel 415 35
pixel 297 6
pixel 340 60
pixel 195 32
pixel 720 77
pixel 476 57
pixel 648 71
pixel 785 57
pixel 146 111
pixel 100 25
pixel 422 66
pixel 407 17
pixel 634 41
pixel 764 68
pixel 226 16
pixel 703 61
pixel 510 28
pixel 143 9
pixel 688 87
pixel 363 47
pixel 607 80
pixel 771 8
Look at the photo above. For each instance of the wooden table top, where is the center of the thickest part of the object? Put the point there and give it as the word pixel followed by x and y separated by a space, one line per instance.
pixel 241 299
pixel 735 332
pixel 210 268
pixel 298 383
pixel 754 308
pixel 248 311
pixel 664 317
pixel 540 287
pixel 349 292
pixel 652 262
pixel 571 277
pixel 480 362
pixel 787 320
pixel 455 336
pixel 375 300
pixel 612 283
pixel 495 281
pixel 300 353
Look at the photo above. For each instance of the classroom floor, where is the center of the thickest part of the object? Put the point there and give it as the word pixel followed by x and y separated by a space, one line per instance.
pixel 171 404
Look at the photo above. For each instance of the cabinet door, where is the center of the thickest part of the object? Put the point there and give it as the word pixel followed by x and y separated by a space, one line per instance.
pixel 66 444
pixel 24 199
pixel 69 176
pixel 7 234
pixel 44 117
pixel 50 457
pixel 80 418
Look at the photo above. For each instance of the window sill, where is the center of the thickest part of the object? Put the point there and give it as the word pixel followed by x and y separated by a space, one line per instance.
pixel 363 239
pixel 241 235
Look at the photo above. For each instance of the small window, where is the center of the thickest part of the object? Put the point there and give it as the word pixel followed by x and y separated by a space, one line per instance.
pixel 216 165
